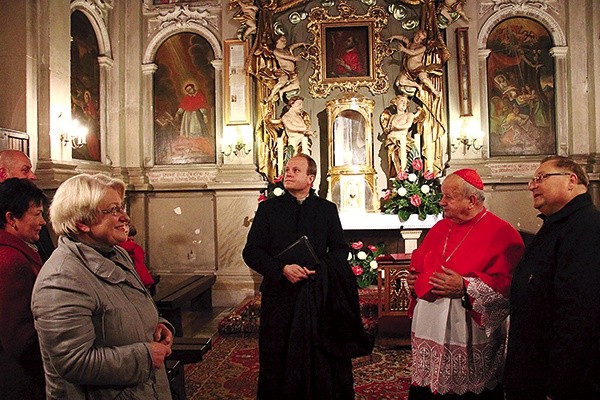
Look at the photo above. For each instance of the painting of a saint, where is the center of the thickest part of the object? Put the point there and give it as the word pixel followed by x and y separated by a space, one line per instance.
pixel 85 84
pixel 347 52
pixel 521 89
pixel 184 98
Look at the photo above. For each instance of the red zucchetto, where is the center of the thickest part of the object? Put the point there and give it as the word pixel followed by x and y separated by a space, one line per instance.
pixel 471 176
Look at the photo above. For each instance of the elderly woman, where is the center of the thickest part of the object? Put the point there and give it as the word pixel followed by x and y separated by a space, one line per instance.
pixel 21 210
pixel 99 330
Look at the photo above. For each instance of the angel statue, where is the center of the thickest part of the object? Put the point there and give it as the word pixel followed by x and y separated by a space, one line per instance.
pixel 414 73
pixel 396 126
pixel 452 10
pixel 296 123
pixel 246 16
pixel 287 73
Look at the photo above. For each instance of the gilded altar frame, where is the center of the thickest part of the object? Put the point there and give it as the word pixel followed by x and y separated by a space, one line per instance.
pixel 352 178
pixel 323 26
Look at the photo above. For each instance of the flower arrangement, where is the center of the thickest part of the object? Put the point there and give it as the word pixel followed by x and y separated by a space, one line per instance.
pixel 274 189
pixel 364 262
pixel 414 191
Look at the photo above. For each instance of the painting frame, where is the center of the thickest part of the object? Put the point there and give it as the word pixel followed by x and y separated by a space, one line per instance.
pixel 236 82
pixel 464 72
pixel 323 27
pixel 184 101
pixel 521 89
pixel 332 71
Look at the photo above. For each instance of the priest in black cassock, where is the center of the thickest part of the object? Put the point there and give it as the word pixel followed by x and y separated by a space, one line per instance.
pixel 310 325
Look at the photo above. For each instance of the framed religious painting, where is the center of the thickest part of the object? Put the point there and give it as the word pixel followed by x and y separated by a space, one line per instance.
pixel 184 101
pixel 346 50
pixel 347 54
pixel 85 86
pixel 237 83
pixel 521 89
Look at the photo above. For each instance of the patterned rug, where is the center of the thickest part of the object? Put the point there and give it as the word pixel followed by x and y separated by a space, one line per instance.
pixel 245 319
pixel 230 371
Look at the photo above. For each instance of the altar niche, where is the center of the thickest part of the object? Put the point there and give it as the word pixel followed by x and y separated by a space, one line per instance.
pixel 352 178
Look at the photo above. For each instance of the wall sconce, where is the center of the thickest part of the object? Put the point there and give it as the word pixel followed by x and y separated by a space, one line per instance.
pixel 466 142
pixel 72 133
pixel 468 137
pixel 237 141
pixel 236 149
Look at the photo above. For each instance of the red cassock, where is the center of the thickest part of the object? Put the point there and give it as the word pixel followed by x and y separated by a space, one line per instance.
pixel 446 333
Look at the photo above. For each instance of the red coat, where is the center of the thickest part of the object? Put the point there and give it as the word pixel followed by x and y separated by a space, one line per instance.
pixel 19 349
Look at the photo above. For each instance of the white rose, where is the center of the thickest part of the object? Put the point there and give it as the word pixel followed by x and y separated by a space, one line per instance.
pixel 373 264
pixel 278 191
pixel 425 189
pixel 412 177
pixel 361 255
pixel 349 256
pixel 401 191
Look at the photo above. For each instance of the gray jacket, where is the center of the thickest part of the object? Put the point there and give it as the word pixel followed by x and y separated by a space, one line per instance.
pixel 95 320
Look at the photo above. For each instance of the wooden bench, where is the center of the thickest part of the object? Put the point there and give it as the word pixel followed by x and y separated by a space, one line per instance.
pixel 183 351
pixel 193 293
pixel 189 350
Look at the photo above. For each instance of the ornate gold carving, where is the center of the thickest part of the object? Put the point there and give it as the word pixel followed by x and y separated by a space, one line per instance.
pixel 350 126
pixel 320 84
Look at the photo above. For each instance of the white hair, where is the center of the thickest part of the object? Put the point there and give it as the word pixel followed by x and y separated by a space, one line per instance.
pixel 77 199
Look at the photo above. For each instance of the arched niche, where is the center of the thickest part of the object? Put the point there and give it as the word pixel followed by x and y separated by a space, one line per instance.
pixel 558 52
pixel 192 26
pixel 96 15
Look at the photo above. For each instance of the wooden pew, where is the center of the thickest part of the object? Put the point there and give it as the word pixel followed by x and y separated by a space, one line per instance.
pixel 184 351
pixel 193 293
pixel 189 350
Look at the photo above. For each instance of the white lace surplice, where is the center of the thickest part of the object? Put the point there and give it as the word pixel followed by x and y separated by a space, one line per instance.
pixel 453 354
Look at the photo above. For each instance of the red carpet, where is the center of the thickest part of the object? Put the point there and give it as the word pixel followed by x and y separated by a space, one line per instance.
pixel 230 371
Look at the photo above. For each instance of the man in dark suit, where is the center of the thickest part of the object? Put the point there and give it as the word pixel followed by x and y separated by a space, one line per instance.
pixel 16 164
pixel 310 324
pixel 554 339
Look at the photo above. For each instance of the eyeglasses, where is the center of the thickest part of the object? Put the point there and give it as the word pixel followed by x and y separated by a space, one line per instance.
pixel 539 178
pixel 114 210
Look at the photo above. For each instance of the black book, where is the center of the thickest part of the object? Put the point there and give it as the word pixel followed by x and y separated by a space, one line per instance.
pixel 300 252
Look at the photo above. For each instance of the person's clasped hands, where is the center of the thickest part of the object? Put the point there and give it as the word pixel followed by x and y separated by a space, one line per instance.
pixel 446 283
pixel 161 347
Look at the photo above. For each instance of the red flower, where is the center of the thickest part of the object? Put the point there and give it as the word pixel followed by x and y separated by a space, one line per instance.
pixel 262 197
pixel 357 245
pixel 372 248
pixel 415 200
pixel 357 269
pixel 402 176
pixel 277 179
pixel 429 175
pixel 387 194
pixel 417 164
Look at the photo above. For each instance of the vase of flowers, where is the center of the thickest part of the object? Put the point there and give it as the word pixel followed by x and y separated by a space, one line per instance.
pixel 413 191
pixel 363 261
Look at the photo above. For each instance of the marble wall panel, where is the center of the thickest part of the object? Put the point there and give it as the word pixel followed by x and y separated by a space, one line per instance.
pixel 181 232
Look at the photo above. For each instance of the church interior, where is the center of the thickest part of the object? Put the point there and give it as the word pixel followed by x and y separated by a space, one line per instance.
pixel 196 106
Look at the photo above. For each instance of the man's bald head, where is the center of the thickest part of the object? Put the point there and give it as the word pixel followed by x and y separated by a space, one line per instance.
pixel 15 164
